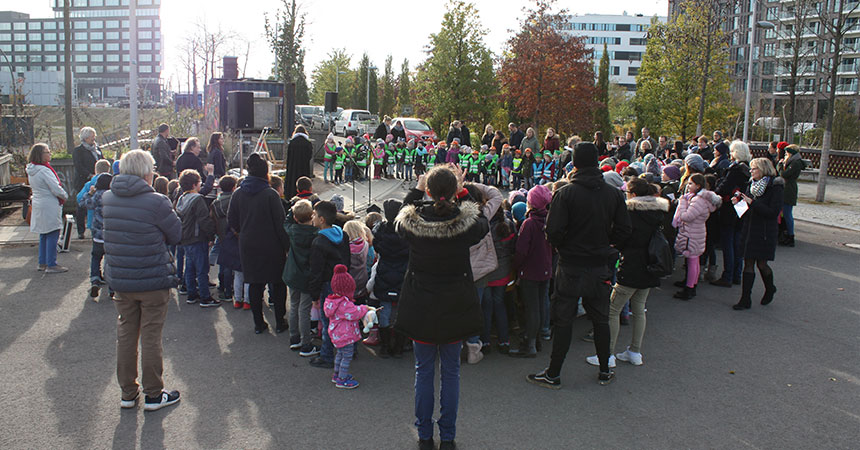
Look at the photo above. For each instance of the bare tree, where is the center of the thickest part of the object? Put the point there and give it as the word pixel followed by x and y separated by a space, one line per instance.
pixel 188 52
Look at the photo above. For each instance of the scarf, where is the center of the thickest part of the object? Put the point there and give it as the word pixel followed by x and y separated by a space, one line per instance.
pixel 48 165
pixel 93 150
pixel 757 188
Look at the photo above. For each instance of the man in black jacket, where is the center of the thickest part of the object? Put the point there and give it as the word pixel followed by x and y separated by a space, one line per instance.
pixel 85 156
pixel 517 136
pixel 162 153
pixel 189 160
pixel 586 218
pixel 383 129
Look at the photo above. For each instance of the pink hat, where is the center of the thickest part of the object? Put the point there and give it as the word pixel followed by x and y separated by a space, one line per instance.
pixel 342 283
pixel 539 197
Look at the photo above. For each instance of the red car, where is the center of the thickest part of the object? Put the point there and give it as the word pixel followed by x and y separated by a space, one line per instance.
pixel 416 128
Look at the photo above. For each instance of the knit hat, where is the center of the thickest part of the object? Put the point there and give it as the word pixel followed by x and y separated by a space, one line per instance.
pixel 606 168
pixel 349 139
pixel 585 155
pixel 342 283
pixel 484 147
pixel 613 179
pixel 337 199
pixel 673 172
pixel 695 161
pixel 330 137
pixel 519 211
pixel 391 208
pixel 539 197
pixel 621 166
pixel 257 167
pixel 514 196
pixel 792 149
pixel 653 166
pixel 373 208
pixel 640 168
pixel 722 148
pixel 781 145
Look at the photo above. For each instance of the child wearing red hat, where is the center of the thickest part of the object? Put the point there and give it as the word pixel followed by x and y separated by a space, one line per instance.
pixel 344 317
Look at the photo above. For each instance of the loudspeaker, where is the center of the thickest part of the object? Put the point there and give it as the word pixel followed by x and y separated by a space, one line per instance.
pixel 330 101
pixel 240 110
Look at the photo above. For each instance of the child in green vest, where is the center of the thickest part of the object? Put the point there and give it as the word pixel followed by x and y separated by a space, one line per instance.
pixel 409 154
pixel 474 173
pixel 339 160
pixel 517 170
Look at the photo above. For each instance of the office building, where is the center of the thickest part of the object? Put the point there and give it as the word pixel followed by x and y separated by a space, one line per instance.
pixel 625 37
pixel 99 47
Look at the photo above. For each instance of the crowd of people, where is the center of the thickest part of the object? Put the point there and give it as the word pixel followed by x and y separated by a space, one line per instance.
pixel 453 268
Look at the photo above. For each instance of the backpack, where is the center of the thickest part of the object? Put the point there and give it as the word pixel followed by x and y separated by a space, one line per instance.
pixel 660 261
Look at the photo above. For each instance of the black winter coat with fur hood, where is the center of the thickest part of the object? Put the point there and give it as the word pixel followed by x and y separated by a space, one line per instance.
pixel 439 303
pixel 646 216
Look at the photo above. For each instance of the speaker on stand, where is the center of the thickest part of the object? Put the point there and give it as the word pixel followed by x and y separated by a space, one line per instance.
pixel 240 117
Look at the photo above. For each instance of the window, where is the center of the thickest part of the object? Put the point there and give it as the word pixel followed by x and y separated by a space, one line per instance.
pixel 145 69
pixel 632 71
pixel 112 35
pixel 144 34
pixel 112 24
pixel 5 36
pixel 35 47
pixel 111 69
pixel 50 25
pixel 81 36
pixel 767 68
pixel 5 26
pixel 97 58
pixel 6 47
pixel 97 69
pixel 80 58
pixel 36 58
pixel 97 35
pixel 111 3
pixel 144 46
pixel 96 24
pixel 20 47
pixel 20 36
pixel 80 3
pixel 125 24
pixel 125 57
pixel 96 2
pixel 125 35
pixel 50 58
pixel 80 47
pixel 80 25
pixel 144 23
pixel 615 70
pixel 20 58
pixel 35 25
pixel 144 2
pixel 80 69
pixel 145 57
pixel 112 47
pixel 125 46
pixel 50 36
pixel 35 36
pixel 112 58
pixel 638 41
pixel 19 26
pixel 769 49
pixel 97 47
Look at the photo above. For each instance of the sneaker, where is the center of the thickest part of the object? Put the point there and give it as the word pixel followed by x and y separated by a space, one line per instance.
pixel 546 336
pixel 606 377
pixel 321 363
pixel 543 380
pixel 56 269
pixel 309 351
pixel 348 383
pixel 634 358
pixel 334 378
pixel 426 444
pixel 94 291
pixel 295 343
pixel 447 445
pixel 595 362
pixel 101 282
pixel 589 337
pixel 209 302
pixel 192 299
pixel 246 306
pixel 166 398
pixel 504 348
pixel 126 404
pixel 211 284
pixel 183 290
pixel 237 305
pixel 42 267
pixel 223 295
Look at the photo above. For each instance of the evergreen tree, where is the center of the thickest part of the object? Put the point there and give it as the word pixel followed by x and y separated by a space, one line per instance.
pixel 601 108
pixel 404 98
pixel 387 99
pixel 325 78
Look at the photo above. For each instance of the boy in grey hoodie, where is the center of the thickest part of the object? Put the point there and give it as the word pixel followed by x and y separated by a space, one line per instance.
pixel 198 229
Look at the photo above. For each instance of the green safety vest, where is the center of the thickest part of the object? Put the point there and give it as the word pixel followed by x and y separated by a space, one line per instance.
pixel 430 162
pixel 392 155
pixel 474 164
pixel 329 156
pixel 360 158
pixel 338 161
pixel 490 166
pixel 408 155
pixel 464 161
pixel 518 166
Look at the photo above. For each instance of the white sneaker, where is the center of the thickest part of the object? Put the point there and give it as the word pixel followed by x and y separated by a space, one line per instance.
pixel 126 404
pixel 631 357
pixel 595 362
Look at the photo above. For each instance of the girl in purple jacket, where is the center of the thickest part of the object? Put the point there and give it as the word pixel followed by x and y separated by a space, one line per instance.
pixel 533 262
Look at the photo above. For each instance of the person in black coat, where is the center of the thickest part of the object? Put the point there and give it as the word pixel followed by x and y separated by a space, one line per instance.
pixel 189 160
pixel 383 129
pixel 300 152
pixel 84 156
pixel 454 133
pixel 734 180
pixel 256 215
pixel 517 136
pixel 465 135
pixel 398 131
pixel 393 253
pixel 764 195
pixel 439 305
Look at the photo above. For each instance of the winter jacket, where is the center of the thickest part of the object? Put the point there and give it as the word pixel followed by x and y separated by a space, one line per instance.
pixel 551 144
pixel 300 152
pixel 439 303
pixel 454 133
pixel 216 158
pixel 48 195
pixel 483 254
pixel 690 216
pixel 646 215
pixel 344 325
pixel 624 153
pixel 487 139
pixel 139 224
pixel 790 173
pixel 228 240
pixel 358 251
pixel 530 142
pixel 398 134
pixel 393 253
pixel 759 227
pixel 297 269
pixel 79 197
pixel 162 155
pixel 197 224
pixel 257 216
pixel 188 160
pixel 734 179
pixel 85 164
pixel 517 139
pixel 505 246
pixel 94 205
pixel 585 218
pixel 329 248
pixel 719 167
pixel 533 258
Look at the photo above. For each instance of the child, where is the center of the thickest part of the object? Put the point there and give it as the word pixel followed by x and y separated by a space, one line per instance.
pixel 173 194
pixel 517 169
pixel 328 156
pixel 339 160
pixel 506 162
pixel 393 253
pixel 419 160
pixel 361 257
pixel 329 248
pixel 92 200
pixel 344 317
pixel 160 185
pixel 378 154
pixel 694 207
pixel 349 151
pixel 493 301
pixel 304 191
pixel 102 166
pixel 300 228
pixel 708 260
pixel 548 173
pixel 430 160
pixel 229 264
pixel 533 262
pixel 197 230
pixel 409 154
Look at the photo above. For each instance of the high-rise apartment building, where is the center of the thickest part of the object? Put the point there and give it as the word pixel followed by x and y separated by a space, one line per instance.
pixel 625 37
pixel 100 47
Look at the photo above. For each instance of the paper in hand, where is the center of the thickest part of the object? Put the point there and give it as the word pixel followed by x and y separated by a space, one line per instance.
pixel 741 208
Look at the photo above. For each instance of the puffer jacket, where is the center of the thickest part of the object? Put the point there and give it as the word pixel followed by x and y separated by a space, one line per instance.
pixel 690 217
pixel 505 248
pixel 393 253
pixel 790 173
pixel 646 216
pixel 345 317
pixel 197 224
pixel 94 205
pixel 483 254
pixel 358 250
pixel 139 224
pixel 734 179
pixel 48 197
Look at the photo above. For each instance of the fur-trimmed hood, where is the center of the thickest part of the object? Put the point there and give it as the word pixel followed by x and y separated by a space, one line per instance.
pixel 710 196
pixel 411 220
pixel 648 203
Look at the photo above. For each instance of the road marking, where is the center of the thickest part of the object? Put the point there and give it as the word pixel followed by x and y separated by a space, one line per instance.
pixel 844 276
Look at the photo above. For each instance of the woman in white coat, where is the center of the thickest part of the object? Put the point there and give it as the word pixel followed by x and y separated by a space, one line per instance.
pixel 48 199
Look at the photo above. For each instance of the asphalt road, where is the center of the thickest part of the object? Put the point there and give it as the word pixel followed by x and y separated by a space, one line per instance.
pixel 782 376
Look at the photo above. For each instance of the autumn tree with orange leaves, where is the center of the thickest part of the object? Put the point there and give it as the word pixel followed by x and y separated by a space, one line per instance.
pixel 547 76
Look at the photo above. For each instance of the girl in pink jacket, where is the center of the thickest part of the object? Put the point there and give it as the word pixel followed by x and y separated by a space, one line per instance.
pixel 344 322
pixel 694 207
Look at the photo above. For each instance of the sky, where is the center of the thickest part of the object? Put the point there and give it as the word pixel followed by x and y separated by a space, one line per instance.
pixel 400 28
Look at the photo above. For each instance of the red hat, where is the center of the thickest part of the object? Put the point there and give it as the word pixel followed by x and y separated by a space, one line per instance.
pixel 606 168
pixel 517 152
pixel 602 157
pixel 782 145
pixel 342 283
pixel 620 166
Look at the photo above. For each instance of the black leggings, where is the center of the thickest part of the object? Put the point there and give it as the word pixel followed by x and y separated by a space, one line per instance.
pixel 763 268
pixel 278 296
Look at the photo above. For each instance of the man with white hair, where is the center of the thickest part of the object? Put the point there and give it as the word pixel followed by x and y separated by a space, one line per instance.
pixel 84 157
pixel 139 224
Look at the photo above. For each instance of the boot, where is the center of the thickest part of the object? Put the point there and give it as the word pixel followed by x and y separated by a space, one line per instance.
pixel 397 340
pixel 384 342
pixel 711 273
pixel 769 289
pixel 686 294
pixel 789 240
pixel 473 353
pixel 372 338
pixel 527 349
pixel 783 237
pixel 746 291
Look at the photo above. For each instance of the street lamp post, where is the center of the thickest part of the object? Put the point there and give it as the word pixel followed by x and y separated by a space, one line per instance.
pixel 368 86
pixel 337 80
pixel 755 24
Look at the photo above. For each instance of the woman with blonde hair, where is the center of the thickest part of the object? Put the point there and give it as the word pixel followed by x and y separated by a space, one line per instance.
pixel 550 142
pixel 734 180
pixel 487 138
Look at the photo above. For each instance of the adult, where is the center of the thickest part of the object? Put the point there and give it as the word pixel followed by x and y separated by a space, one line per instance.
pixel 718 137
pixel 550 141
pixel 586 218
pixel 623 152
pixel 489 135
pixel 439 305
pixel 646 136
pixel 789 169
pixel 257 216
pixel 764 197
pixel 139 224
pixel 499 141
pixel 300 152
pixel 663 145
pixel 384 129
pixel 454 132
pixel 630 138
pixel 466 135
pixel 733 181
pixel 215 150
pixel 189 159
pixel 530 141
pixel 600 143
pixel 398 131
pixel 705 150
pixel 517 136
pixel 773 150
pixel 721 161
pixel 162 153
pixel 84 156
pixel 47 203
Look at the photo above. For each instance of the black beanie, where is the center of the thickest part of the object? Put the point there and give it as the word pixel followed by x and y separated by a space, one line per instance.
pixel 257 167
pixel 585 155
pixel 391 207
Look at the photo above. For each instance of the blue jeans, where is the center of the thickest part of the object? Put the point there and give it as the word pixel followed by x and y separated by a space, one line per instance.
pixel 342 361
pixel 48 248
pixel 327 350
pixel 788 217
pixel 225 279
pixel 197 269
pixel 328 167
pixel 407 171
pixel 449 394
pixel 733 258
pixel 348 172
pixel 493 304
pixel 96 261
pixel 387 315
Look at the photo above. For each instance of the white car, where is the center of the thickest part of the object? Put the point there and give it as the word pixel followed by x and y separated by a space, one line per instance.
pixel 353 122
